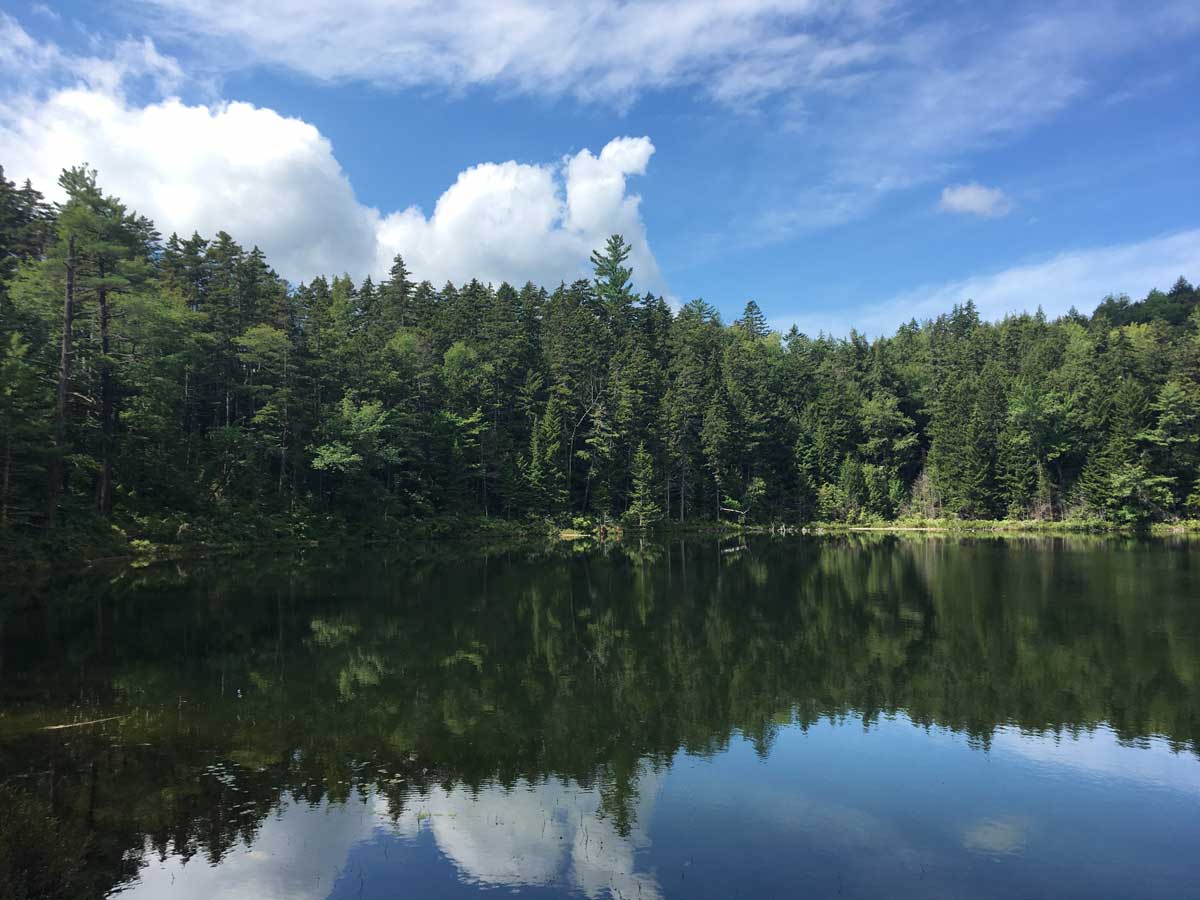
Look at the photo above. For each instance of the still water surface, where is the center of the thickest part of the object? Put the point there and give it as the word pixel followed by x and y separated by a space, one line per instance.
pixel 877 717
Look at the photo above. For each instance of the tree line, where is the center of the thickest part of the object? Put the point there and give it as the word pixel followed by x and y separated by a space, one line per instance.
pixel 179 387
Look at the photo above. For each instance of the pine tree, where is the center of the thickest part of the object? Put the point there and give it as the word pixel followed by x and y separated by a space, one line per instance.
pixel 1173 441
pixel 23 427
pixel 394 309
pixel 544 473
pixel 612 284
pixel 716 438
pixel 643 510
pixel 601 457
pixel 109 254
pixel 26 230
pixel 753 322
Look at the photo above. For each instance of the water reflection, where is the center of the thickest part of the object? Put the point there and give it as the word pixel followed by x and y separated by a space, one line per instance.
pixel 1100 754
pixel 549 834
pixel 824 809
pixel 299 852
pixel 651 720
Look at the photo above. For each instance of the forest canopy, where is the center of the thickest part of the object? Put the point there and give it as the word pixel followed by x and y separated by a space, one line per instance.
pixel 178 388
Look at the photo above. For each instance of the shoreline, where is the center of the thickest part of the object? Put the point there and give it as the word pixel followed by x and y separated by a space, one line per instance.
pixel 483 531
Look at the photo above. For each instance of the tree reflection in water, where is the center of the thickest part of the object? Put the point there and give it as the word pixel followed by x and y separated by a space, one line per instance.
pixel 544 691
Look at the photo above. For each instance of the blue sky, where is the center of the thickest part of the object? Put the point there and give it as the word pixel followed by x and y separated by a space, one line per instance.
pixel 843 162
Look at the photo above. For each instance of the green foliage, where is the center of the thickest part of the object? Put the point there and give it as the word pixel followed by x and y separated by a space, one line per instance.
pixel 544 474
pixel 23 427
pixel 1173 307
pixel 1133 496
pixel 612 283
pixel 643 510
pixel 202 388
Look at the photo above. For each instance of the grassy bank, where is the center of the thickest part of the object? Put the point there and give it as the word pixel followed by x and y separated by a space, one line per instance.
pixel 92 543
pixel 1008 526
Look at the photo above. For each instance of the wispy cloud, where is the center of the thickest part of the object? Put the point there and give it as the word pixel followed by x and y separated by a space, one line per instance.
pixel 605 50
pixel 976 200
pixel 41 9
pixel 1077 278
pixel 868 97
pixel 33 68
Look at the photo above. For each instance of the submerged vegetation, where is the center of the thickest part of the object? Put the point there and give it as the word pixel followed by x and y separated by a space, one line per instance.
pixel 179 392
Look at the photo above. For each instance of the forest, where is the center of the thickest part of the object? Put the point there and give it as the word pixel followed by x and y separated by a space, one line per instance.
pixel 176 390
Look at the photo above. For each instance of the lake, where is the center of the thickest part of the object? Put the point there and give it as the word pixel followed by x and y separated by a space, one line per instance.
pixel 869 716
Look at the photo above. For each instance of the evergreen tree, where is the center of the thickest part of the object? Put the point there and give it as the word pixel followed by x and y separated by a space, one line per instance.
pixel 612 284
pixel 394 307
pixel 753 322
pixel 184 387
pixel 643 510
pixel 544 472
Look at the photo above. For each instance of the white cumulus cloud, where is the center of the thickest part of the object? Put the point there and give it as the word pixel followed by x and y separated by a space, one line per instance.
pixel 520 222
pixel 266 179
pixel 856 99
pixel 976 200
pixel 274 181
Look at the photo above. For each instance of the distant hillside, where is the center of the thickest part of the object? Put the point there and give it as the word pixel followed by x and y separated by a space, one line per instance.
pixel 1174 307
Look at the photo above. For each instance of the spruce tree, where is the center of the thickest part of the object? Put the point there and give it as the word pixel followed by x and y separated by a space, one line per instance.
pixel 643 510
pixel 612 283
pixel 753 322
